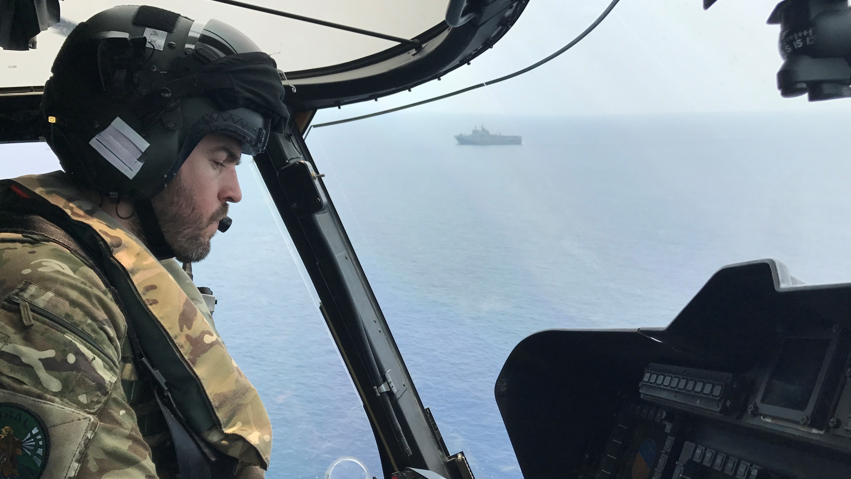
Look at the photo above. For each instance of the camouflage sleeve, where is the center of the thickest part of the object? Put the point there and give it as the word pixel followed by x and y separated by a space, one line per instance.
pixel 63 412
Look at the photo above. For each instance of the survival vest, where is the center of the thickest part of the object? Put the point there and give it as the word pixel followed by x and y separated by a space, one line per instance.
pixel 211 394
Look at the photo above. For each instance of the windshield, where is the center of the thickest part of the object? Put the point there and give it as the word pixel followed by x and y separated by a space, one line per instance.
pixel 653 153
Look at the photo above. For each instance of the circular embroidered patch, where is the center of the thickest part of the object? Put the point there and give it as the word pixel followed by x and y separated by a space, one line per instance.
pixel 24 443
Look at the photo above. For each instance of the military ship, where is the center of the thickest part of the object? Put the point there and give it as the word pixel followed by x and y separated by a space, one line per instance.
pixel 484 137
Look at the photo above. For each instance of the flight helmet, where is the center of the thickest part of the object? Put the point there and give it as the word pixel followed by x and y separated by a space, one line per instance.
pixel 135 88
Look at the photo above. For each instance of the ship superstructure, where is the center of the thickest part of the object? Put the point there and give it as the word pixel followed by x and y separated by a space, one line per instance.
pixel 481 136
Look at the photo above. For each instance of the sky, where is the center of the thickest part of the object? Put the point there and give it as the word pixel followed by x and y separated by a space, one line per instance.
pixel 647 57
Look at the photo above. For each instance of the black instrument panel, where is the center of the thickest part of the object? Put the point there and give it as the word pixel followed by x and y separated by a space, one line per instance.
pixel 750 381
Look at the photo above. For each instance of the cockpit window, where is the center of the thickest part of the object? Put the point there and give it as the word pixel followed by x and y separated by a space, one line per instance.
pixel 653 153
pixel 268 314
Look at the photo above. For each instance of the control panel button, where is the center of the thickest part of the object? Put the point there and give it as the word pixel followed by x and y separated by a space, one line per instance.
pixel 607 465
pixel 698 453
pixel 667 381
pixel 716 391
pixel 663 461
pixel 707 388
pixel 660 379
pixel 619 433
pixel 653 378
pixel 719 461
pixel 675 382
pixel 742 471
pixel 698 387
pixel 646 377
pixel 690 385
pixel 708 456
pixel 669 444
pixel 730 468
pixel 612 449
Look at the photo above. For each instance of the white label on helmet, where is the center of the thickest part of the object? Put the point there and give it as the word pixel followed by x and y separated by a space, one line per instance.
pixel 156 38
pixel 121 146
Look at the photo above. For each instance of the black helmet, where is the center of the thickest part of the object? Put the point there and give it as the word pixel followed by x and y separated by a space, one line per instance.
pixel 134 89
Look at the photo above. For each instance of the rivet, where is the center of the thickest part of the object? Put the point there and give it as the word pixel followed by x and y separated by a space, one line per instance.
pixel 153 68
pixel 172 45
pixel 170 124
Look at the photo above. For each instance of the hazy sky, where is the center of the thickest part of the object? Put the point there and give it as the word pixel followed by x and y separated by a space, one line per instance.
pixel 649 56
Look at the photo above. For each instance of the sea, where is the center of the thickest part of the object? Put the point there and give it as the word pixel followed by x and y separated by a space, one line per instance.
pixel 593 222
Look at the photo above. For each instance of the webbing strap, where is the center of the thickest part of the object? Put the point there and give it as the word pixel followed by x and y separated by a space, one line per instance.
pixel 191 462
pixel 195 460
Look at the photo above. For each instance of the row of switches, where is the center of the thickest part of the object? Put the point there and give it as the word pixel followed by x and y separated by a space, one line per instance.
pixel 694 456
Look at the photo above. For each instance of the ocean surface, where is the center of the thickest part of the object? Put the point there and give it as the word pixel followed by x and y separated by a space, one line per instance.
pixel 609 222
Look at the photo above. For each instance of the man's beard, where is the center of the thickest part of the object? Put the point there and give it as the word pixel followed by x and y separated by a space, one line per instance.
pixel 182 224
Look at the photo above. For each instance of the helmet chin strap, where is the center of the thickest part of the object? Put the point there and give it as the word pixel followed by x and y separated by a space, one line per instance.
pixel 153 232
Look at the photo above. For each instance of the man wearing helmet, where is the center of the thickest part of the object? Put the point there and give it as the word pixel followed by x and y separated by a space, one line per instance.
pixel 110 364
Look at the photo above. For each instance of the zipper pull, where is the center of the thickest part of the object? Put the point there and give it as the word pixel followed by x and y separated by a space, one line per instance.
pixel 26 314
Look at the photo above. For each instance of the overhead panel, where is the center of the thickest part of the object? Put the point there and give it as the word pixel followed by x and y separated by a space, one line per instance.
pixel 294 44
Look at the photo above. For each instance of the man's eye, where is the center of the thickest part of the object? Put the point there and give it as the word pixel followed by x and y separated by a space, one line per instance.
pixel 219 164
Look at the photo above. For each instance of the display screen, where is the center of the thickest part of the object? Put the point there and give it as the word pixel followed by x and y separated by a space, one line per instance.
pixel 794 376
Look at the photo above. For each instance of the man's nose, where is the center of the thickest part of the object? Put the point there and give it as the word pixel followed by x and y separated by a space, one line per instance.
pixel 230 191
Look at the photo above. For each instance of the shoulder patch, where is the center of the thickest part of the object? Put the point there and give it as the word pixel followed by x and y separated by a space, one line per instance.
pixel 24 443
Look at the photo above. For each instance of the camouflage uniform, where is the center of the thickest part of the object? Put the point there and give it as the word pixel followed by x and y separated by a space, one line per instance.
pixel 64 355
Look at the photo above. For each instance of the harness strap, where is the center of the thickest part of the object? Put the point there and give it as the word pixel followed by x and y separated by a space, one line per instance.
pixel 23 216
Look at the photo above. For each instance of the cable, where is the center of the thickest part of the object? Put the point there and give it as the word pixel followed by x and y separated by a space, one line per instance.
pixel 483 84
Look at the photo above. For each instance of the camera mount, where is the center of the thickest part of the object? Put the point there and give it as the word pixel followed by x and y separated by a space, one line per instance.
pixel 815 42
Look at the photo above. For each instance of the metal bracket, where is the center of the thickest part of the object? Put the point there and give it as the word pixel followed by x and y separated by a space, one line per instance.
pixel 463 467
pixel 301 188
pixel 389 386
